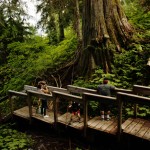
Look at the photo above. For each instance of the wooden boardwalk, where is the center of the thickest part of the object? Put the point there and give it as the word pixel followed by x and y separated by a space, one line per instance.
pixel 116 126
pixel 137 127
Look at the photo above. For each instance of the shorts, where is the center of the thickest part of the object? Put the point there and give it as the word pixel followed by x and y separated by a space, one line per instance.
pixel 105 107
pixel 76 112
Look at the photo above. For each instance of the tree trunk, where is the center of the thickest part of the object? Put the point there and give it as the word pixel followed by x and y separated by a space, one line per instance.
pixel 105 31
pixel 61 27
pixel 77 12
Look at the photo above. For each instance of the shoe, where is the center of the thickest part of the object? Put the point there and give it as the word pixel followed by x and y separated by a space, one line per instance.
pixel 79 120
pixel 108 119
pixel 102 119
pixel 46 116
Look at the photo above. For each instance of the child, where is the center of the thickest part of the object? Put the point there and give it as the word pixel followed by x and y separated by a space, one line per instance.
pixel 74 108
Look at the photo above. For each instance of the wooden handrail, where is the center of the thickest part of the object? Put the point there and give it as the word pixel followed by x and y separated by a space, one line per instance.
pixel 39 95
pixel 132 98
pixel 123 90
pixel 79 90
pixel 66 96
pixel 29 87
pixel 99 98
pixel 14 93
pixel 142 90
pixel 94 97
pixel 31 93
pixel 52 88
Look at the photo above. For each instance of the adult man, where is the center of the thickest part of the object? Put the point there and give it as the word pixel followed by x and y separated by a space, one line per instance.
pixel 105 89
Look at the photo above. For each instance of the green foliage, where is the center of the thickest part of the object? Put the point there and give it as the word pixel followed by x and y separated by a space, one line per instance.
pixel 12 25
pixel 12 139
pixel 139 19
pixel 5 108
pixel 132 66
pixel 31 59
pixel 96 79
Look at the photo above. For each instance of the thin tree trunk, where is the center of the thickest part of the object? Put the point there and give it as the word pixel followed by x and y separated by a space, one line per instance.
pixel 61 27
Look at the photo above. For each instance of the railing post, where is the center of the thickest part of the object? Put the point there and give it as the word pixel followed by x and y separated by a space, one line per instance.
pixel 120 104
pixel 55 101
pixel 11 103
pixel 30 106
pixel 85 114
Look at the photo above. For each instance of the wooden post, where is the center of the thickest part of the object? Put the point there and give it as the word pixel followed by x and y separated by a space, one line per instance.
pixel 11 103
pixel 55 101
pixel 85 113
pixel 120 104
pixel 30 106
pixel 135 110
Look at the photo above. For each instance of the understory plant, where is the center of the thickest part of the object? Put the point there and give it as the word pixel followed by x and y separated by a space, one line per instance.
pixel 11 139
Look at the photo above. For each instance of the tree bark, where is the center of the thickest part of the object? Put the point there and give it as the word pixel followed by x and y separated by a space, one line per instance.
pixel 105 31
pixel 77 12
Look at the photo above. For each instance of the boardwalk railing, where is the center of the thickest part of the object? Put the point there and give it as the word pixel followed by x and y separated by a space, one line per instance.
pixel 12 93
pixel 87 97
pixel 84 96
pixel 79 90
pixel 2 116
pixel 69 97
pixel 134 127
pixel 43 96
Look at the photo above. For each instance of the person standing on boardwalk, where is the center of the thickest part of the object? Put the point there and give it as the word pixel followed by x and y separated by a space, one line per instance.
pixel 42 87
pixel 74 109
pixel 105 89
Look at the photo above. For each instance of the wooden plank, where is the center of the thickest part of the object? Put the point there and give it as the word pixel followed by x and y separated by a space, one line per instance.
pixel 67 96
pixel 100 124
pixel 147 135
pixel 80 90
pixel 80 124
pixel 22 112
pixel 106 125
pixel 143 90
pixel 100 98
pixel 49 119
pixel 40 95
pixel 29 87
pixel 123 90
pixel 76 124
pixel 126 123
pixel 131 126
pixel 61 117
pixel 114 130
pixel 93 124
pixel 16 93
pixel 137 127
pixel 65 118
pixel 111 128
pixel 134 98
pixel 92 120
pixel 53 88
pixel 143 129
